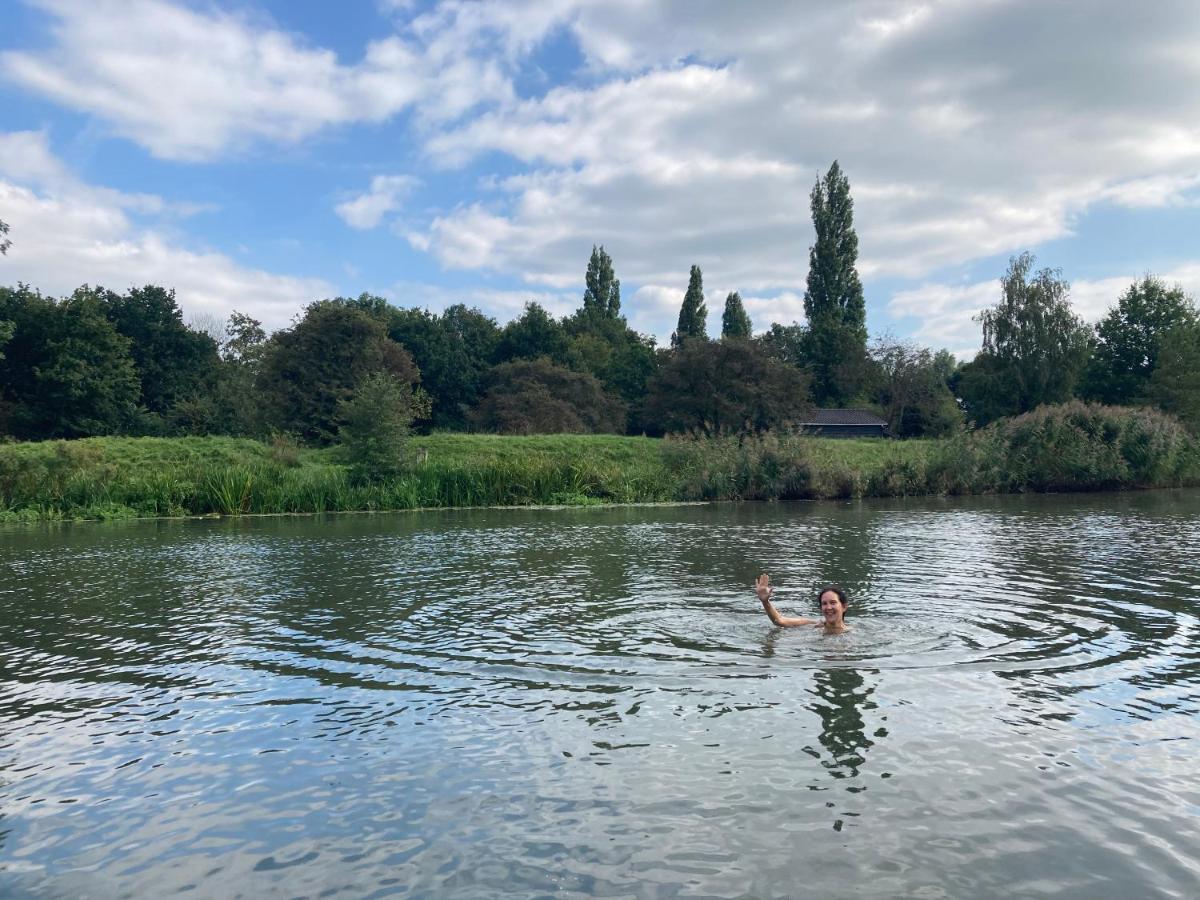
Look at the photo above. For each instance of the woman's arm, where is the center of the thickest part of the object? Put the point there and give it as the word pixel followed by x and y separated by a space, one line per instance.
pixel 762 587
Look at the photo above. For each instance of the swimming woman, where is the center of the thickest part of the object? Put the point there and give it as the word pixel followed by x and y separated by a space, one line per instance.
pixel 832 600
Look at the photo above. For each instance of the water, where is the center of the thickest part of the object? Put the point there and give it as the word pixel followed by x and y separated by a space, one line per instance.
pixel 591 703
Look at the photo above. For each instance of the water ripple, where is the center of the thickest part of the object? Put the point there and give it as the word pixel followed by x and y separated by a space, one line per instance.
pixel 590 702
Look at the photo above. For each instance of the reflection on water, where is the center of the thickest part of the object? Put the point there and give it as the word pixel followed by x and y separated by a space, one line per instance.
pixel 591 703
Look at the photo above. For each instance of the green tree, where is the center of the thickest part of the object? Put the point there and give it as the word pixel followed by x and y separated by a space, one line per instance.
pixel 693 314
pixel 602 296
pixel 66 372
pixel 1034 346
pixel 913 389
pixel 735 321
pixel 1175 382
pixel 535 334
pixel 833 296
pixel 373 425
pixel 173 361
pixel 786 343
pixel 717 386
pixel 536 396
pixel 5 243
pixel 453 352
pixel 1128 340
pixel 316 364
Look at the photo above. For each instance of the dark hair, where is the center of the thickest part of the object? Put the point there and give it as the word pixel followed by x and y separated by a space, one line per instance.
pixel 841 594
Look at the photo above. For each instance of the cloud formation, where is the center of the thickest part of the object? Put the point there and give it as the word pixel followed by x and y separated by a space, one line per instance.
pixel 690 132
pixel 382 197
pixel 66 232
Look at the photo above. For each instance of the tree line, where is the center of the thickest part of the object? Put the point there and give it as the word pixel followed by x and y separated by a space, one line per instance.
pixel 98 362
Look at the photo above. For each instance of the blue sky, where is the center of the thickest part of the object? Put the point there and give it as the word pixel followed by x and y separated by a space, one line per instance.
pixel 260 155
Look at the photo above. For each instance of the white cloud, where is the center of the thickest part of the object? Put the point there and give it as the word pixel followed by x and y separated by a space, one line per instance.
pixel 382 197
pixel 192 85
pixel 66 233
pixel 965 133
pixel 503 305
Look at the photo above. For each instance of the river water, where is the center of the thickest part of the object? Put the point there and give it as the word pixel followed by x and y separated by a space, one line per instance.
pixel 591 703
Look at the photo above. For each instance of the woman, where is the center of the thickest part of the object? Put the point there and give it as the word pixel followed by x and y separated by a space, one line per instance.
pixel 832 599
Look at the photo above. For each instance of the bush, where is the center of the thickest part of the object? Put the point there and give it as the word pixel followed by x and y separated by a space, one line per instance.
pixel 374 425
pixel 1071 446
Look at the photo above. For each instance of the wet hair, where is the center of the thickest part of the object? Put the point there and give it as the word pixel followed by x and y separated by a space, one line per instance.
pixel 835 589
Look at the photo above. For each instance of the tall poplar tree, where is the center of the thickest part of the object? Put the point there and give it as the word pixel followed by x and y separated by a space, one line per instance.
pixel 602 296
pixel 833 297
pixel 735 321
pixel 693 315
pixel 834 294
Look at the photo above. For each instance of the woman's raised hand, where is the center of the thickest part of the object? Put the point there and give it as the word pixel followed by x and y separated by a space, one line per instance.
pixel 762 586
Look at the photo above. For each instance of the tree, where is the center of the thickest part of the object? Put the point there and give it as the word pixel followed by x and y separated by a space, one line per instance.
pixel 66 372
pixel 316 364
pixel 834 292
pixel 1175 382
pixel 1034 346
pixel 914 391
pixel 602 296
pixel 453 352
pixel 693 315
pixel 173 362
pixel 786 343
pixel 833 296
pixel 539 397
pixel 735 322
pixel 533 335
pixel 1128 340
pixel 717 386
pixel 374 424
pixel 5 243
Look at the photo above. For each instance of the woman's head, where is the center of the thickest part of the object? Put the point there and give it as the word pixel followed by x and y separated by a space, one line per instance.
pixel 833 602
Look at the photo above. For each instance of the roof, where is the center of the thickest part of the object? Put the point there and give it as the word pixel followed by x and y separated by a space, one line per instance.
pixel 845 417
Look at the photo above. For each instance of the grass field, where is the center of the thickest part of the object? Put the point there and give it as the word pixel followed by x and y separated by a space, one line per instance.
pixel 1069 448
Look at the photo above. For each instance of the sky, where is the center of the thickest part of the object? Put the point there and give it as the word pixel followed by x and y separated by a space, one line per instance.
pixel 259 155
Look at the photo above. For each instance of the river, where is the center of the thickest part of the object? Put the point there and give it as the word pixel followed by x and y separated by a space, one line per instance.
pixel 591 703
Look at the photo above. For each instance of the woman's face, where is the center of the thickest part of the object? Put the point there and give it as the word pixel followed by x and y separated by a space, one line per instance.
pixel 831 607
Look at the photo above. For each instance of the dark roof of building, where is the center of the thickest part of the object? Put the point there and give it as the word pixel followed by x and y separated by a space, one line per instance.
pixel 844 417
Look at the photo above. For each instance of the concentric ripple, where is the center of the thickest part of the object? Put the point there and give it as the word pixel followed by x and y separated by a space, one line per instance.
pixel 591 703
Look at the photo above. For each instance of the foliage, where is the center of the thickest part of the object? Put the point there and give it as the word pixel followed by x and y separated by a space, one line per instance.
pixel 5 243
pixel 316 364
pixel 1175 381
pixel 534 334
pixel 1073 446
pixel 693 314
pixel 1129 338
pixel 602 296
pixel 724 386
pixel 374 423
pixel 1034 347
pixel 66 371
pixel 834 293
pixel 786 343
pixel 735 321
pixel 540 397
pixel 173 362
pixel 914 391
pixel 453 352
pixel 833 296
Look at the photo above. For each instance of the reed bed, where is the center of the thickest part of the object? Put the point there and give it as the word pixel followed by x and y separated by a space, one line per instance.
pixel 1071 447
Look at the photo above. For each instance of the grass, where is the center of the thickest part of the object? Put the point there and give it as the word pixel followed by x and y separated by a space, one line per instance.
pixel 1073 447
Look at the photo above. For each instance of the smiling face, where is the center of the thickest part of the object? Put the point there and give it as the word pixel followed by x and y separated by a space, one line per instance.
pixel 832 608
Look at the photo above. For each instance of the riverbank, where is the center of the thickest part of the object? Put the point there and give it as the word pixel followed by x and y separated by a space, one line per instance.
pixel 1070 448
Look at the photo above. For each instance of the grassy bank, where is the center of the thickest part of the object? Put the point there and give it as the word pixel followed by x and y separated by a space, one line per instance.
pixel 1074 447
